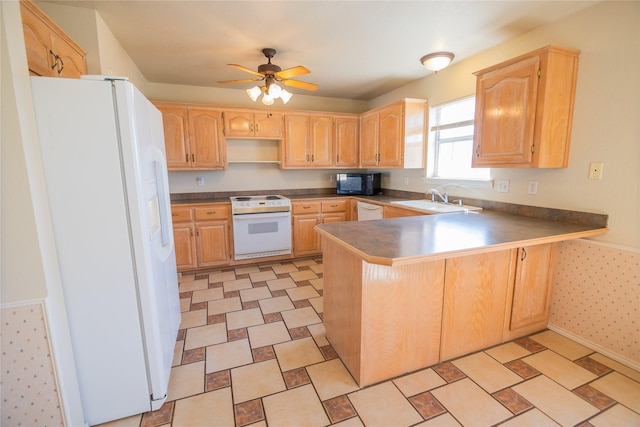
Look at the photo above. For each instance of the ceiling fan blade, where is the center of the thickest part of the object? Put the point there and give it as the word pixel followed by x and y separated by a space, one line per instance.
pixel 245 69
pixel 292 72
pixel 300 85
pixel 224 82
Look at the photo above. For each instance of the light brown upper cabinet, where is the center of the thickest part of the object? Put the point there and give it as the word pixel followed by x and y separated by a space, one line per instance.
pixel 50 51
pixel 308 141
pixel 394 136
pixel 345 149
pixel 193 136
pixel 251 124
pixel 524 110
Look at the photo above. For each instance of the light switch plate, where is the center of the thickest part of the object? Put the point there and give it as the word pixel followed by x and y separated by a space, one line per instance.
pixel 502 186
pixel 533 187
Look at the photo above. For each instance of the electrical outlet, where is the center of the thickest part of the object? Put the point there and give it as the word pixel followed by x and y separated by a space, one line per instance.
pixel 332 177
pixel 200 181
pixel 595 170
pixel 533 187
pixel 502 186
pixel 406 180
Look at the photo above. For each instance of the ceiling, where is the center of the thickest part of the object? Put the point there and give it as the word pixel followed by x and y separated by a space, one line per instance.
pixel 355 49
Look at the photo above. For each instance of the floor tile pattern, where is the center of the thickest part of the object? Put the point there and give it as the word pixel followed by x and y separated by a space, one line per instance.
pixel 251 351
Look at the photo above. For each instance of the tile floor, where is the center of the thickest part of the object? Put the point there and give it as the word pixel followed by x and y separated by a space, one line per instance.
pixel 251 352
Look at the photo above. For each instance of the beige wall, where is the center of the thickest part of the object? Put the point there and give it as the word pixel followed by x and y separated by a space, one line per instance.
pixel 21 257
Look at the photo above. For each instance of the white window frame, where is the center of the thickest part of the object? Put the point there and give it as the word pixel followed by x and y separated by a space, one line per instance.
pixel 434 143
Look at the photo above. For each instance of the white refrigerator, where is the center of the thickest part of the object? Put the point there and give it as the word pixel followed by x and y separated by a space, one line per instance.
pixel 102 147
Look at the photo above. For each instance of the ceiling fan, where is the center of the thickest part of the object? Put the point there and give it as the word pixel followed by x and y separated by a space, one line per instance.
pixel 272 73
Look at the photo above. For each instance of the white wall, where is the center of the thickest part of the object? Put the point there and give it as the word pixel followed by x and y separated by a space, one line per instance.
pixel 605 123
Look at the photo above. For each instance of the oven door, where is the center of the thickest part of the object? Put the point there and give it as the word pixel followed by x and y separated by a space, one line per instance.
pixel 261 234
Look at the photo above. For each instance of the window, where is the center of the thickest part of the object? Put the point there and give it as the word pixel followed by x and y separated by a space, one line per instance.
pixel 452 141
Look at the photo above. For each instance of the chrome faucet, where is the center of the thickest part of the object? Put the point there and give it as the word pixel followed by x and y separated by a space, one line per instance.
pixel 444 197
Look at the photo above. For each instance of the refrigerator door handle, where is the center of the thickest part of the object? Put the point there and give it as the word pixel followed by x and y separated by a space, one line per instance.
pixel 165 223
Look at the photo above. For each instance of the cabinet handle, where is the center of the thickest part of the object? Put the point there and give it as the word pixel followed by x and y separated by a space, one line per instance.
pixel 306 207
pixel 211 212
pixel 193 157
pixel 191 233
pixel 524 254
pixel 257 129
pixel 57 63
pixel 175 214
pixel 313 157
pixel 477 151
pixel 334 206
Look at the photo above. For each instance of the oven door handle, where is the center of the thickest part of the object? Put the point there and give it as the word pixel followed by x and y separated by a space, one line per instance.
pixel 259 216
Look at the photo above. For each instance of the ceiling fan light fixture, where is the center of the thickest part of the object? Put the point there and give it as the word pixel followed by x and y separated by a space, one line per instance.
pixel 254 93
pixel 437 61
pixel 285 96
pixel 266 99
pixel 274 91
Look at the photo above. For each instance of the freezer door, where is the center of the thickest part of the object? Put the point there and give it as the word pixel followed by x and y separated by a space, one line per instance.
pixel 147 189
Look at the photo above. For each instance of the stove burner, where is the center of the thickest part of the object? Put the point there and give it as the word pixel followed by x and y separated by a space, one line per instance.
pixel 273 198
pixel 242 199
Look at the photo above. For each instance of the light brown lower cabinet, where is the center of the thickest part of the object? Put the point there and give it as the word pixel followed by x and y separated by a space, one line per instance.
pixel 185 246
pixel 306 215
pixel 529 298
pixel 202 236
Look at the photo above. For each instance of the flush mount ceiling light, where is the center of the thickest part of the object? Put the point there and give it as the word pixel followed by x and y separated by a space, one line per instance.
pixel 437 61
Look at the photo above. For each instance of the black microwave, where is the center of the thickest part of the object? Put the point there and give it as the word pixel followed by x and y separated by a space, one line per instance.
pixel 366 184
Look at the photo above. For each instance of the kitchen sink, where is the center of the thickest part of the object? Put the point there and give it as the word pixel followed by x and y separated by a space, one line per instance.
pixel 435 207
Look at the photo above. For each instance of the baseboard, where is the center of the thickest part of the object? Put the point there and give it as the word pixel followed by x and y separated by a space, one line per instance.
pixel 614 356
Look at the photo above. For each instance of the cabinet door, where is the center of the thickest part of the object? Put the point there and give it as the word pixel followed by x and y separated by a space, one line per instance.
pixel 238 123
pixel 206 140
pixel 369 139
pixel 37 40
pixel 296 140
pixel 321 139
pixel 268 125
pixel 475 293
pixel 212 242
pixel 391 136
pixel 185 246
pixel 505 115
pixel 71 63
pixel 305 239
pixel 346 142
pixel 176 137
pixel 532 289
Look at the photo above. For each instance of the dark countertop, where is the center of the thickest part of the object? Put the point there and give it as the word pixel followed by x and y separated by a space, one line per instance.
pixel 412 239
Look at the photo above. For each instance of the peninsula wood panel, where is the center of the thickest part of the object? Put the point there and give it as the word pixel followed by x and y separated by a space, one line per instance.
pixel 402 332
pixel 342 303
pixel 383 321
pixel 474 302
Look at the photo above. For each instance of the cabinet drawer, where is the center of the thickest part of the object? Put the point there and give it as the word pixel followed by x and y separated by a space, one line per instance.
pixel 212 212
pixel 181 214
pixel 334 206
pixel 306 208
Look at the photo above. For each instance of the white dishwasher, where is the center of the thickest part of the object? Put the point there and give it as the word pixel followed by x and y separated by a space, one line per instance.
pixel 367 211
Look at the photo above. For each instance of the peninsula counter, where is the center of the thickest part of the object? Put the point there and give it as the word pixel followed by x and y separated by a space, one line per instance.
pixel 402 294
